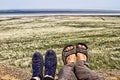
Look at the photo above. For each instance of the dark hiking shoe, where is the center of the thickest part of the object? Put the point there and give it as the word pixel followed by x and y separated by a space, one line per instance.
pixel 37 65
pixel 50 63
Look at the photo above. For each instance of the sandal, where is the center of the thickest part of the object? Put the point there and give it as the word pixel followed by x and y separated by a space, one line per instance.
pixel 65 54
pixel 83 51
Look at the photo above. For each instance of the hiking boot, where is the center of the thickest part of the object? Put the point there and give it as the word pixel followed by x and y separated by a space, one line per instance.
pixel 37 65
pixel 50 63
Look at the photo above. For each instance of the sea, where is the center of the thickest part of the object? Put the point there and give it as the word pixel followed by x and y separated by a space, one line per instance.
pixel 48 12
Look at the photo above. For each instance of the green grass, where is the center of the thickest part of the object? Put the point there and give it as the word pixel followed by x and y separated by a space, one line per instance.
pixel 89 24
pixel 20 37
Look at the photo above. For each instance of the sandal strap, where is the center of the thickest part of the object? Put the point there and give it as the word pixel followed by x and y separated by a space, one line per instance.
pixel 82 50
pixel 86 63
pixel 67 53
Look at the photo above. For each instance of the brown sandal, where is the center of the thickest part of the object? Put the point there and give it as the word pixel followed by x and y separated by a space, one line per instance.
pixel 65 54
pixel 83 51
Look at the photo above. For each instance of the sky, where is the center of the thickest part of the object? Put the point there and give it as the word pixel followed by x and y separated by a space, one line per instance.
pixel 60 4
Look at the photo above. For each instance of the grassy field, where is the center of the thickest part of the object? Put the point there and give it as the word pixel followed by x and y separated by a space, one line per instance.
pixel 20 37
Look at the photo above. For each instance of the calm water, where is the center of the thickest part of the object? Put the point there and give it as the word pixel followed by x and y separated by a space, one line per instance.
pixel 5 13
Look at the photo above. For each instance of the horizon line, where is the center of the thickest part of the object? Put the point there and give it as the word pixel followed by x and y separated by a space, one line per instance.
pixel 64 9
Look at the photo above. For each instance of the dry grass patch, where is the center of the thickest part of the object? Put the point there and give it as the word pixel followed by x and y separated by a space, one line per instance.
pixel 20 37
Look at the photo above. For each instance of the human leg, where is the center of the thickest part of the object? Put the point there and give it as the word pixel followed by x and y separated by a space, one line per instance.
pixel 67 72
pixel 37 66
pixel 81 68
pixel 69 59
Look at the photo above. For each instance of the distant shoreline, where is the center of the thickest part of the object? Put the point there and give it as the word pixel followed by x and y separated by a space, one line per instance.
pixel 64 12
pixel 37 14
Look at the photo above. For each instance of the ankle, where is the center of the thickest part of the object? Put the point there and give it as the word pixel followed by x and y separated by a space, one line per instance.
pixel 49 76
pixel 35 78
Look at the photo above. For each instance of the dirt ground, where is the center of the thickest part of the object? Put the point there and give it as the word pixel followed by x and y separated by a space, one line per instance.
pixel 12 73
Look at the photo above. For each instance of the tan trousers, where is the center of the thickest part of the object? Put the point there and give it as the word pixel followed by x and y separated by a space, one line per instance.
pixel 78 71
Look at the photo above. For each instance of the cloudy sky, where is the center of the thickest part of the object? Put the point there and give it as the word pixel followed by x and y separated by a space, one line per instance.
pixel 60 4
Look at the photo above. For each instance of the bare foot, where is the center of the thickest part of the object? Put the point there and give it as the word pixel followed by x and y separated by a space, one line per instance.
pixel 72 57
pixel 81 56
